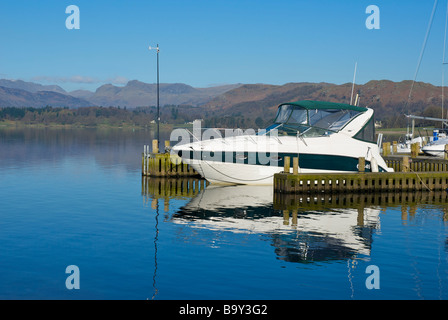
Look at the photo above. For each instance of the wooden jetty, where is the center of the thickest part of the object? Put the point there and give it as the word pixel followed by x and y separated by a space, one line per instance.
pixel 416 164
pixel 294 201
pixel 155 188
pixel 392 149
pixel 165 164
pixel 412 174
pixel 292 205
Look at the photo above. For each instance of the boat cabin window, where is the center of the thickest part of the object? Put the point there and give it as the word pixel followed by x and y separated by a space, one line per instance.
pixel 283 113
pixel 368 132
pixel 292 119
pixel 298 116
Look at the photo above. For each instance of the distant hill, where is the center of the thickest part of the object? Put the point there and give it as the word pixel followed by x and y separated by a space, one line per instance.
pixel 373 92
pixel 10 97
pixel 387 98
pixel 137 94
pixel 30 86
pixel 83 94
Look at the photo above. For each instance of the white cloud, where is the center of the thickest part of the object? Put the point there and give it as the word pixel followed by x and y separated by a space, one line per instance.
pixel 118 80
pixel 79 79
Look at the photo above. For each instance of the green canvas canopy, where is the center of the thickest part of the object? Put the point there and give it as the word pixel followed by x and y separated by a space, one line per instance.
pixel 310 104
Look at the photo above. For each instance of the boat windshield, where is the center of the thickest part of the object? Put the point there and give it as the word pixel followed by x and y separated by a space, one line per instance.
pixel 293 119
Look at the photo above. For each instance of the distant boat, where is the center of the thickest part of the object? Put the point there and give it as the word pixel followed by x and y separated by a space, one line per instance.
pixel 436 147
pixel 435 144
pixel 405 147
pixel 409 139
pixel 327 137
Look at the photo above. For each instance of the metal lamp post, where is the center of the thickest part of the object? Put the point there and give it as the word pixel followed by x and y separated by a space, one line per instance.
pixel 158 108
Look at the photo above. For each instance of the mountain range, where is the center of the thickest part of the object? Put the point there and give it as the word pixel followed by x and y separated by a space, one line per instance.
pixel 12 97
pixel 388 98
pixel 18 93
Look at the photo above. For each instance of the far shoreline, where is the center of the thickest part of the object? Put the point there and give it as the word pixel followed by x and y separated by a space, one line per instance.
pixel 18 124
pixel 152 126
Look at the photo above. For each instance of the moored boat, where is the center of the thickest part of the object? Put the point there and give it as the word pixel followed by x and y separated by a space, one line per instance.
pixel 325 136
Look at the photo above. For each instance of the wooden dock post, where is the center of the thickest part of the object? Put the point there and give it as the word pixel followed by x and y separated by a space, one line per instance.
pixel 386 148
pixel 415 149
pixel 405 164
pixel 143 164
pixel 167 145
pixel 145 160
pixel 361 164
pixel 445 156
pixel 295 165
pixel 395 146
pixel 155 146
pixel 286 164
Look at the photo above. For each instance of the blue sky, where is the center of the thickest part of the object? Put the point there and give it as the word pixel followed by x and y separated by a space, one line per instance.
pixel 207 43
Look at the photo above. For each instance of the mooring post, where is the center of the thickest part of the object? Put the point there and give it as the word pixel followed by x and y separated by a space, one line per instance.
pixel 405 164
pixel 394 146
pixel 414 150
pixel 295 165
pixel 155 146
pixel 361 164
pixel 386 148
pixel 286 164
pixel 446 152
pixel 143 164
pixel 146 159
pixel 167 145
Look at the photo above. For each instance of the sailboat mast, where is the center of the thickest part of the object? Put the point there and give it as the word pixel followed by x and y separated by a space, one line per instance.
pixel 353 84
pixel 443 63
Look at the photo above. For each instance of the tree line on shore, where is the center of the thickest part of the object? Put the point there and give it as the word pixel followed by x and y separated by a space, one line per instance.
pixel 117 116
pixel 172 114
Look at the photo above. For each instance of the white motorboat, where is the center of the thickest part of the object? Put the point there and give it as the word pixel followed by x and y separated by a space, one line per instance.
pixel 325 136
pixel 405 147
pixel 436 147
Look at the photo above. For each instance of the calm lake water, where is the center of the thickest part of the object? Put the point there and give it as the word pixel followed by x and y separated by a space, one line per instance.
pixel 76 197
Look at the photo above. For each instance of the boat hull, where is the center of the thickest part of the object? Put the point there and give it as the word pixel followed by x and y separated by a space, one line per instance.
pixel 436 150
pixel 238 173
pixel 254 161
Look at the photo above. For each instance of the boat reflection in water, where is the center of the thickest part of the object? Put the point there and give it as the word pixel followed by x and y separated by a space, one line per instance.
pixel 301 228
pixel 298 232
